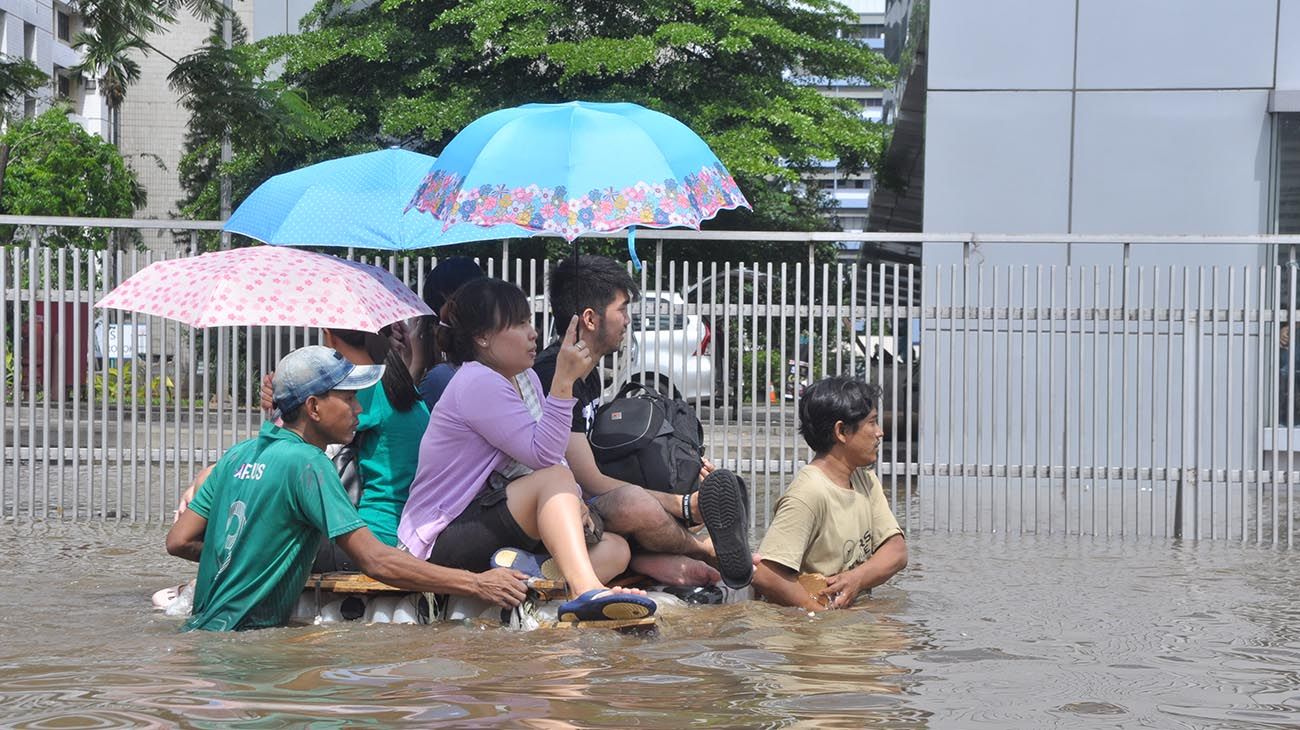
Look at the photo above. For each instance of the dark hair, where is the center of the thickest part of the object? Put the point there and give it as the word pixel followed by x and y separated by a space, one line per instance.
pixel 477 307
pixel 446 278
pixel 838 398
pixel 589 282
pixel 439 284
pixel 291 417
pixel 397 382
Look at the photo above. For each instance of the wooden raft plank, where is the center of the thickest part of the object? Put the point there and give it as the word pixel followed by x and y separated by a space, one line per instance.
pixel 361 583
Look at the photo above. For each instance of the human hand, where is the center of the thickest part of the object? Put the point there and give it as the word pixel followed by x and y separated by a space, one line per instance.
pixel 184 502
pixel 1284 336
pixel 706 468
pixel 399 339
pixel 187 496
pixel 841 590
pixel 268 395
pixel 574 360
pixel 501 586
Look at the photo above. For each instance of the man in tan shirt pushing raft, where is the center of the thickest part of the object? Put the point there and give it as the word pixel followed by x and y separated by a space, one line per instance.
pixel 833 521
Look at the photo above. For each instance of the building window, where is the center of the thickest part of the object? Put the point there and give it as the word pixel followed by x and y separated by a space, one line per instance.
pixel 29 41
pixel 63 22
pixel 1287 191
pixel 62 86
pixel 1288 173
pixel 29 107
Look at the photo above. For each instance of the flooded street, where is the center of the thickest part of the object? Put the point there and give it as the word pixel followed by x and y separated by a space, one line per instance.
pixel 978 631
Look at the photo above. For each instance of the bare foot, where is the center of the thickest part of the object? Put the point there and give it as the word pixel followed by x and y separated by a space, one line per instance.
pixel 675 570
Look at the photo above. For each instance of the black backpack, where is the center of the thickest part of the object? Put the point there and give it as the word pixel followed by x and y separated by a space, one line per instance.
pixel 648 439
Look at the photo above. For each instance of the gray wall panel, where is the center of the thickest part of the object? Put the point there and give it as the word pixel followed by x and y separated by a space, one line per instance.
pixel 997 162
pixel 1171 162
pixel 1001 44
pixel 1288 45
pixel 1176 44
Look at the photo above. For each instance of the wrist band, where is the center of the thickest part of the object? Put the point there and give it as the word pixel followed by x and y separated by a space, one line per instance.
pixel 686 508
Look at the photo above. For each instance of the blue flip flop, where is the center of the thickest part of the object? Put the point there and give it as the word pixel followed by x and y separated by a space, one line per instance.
pixel 602 604
pixel 531 564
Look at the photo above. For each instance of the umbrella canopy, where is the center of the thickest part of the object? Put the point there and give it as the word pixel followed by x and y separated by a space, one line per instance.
pixel 262 285
pixel 358 201
pixel 574 168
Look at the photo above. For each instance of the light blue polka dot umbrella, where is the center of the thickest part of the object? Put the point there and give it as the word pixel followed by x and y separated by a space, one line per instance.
pixel 358 201
pixel 574 168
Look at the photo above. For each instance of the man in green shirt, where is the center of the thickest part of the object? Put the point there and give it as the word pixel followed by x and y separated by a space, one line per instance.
pixel 269 499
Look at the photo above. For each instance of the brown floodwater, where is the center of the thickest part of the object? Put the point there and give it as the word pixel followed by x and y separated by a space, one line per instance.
pixel 979 631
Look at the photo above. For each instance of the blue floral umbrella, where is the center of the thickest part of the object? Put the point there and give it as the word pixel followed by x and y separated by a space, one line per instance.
pixel 358 201
pixel 574 168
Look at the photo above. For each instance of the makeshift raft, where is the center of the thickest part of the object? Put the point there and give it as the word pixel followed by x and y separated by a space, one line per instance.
pixel 333 597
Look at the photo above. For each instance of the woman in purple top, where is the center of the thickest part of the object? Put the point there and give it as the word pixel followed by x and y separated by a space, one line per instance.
pixel 491 472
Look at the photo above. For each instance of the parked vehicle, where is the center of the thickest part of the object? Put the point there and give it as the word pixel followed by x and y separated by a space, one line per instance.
pixel 666 348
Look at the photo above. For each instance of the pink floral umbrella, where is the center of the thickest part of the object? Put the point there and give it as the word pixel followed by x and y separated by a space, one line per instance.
pixel 268 285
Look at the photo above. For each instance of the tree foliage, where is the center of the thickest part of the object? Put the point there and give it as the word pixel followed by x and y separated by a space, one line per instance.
pixel 19 78
pixel 56 168
pixel 414 72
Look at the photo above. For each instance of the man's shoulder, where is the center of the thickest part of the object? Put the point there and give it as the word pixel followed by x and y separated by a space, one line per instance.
pixel 297 457
pixel 809 483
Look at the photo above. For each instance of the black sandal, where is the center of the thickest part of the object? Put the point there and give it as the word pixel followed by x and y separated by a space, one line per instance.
pixel 724 507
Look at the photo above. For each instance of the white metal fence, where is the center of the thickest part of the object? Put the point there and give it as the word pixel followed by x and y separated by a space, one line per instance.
pixel 1108 397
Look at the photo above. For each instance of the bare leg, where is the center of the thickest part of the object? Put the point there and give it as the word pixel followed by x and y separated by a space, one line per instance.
pixel 546 505
pixel 637 513
pixel 609 557
pixel 672 504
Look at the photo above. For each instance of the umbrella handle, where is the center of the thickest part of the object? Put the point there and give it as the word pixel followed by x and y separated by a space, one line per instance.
pixel 631 248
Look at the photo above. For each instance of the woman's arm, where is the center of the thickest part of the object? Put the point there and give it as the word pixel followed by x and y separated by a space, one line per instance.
pixel 490 405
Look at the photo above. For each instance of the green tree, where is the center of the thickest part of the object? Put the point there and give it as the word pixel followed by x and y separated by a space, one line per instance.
pixel 19 79
pixel 225 89
pixel 414 73
pixel 57 168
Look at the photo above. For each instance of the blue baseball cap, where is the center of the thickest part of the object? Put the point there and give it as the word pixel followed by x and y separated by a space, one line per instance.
pixel 316 370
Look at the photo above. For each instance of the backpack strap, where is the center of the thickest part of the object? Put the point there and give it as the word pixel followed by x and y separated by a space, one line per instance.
pixel 631 387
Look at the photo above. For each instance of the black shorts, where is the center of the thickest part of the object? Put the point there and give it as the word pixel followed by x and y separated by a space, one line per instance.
pixel 484 527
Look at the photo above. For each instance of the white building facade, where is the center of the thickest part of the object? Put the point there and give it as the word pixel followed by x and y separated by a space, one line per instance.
pixel 43 32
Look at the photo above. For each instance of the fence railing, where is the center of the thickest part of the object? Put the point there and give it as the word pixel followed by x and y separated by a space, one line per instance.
pixel 1102 391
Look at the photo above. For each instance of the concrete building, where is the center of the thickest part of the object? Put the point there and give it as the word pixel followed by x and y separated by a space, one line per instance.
pixel 1104 116
pixel 852 192
pixel 43 32
pixel 1099 117
pixel 153 121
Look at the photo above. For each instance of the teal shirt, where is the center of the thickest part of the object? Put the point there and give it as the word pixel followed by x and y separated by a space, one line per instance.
pixel 390 451
pixel 267 502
